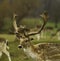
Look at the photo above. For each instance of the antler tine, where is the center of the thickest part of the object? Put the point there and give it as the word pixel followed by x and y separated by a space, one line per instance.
pixel 14 22
pixel 45 18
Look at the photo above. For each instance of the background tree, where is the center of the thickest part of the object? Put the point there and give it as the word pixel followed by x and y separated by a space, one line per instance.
pixel 21 7
pixel 4 11
pixel 24 7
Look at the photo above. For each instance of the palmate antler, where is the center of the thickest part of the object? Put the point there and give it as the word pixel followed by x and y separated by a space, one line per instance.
pixel 45 18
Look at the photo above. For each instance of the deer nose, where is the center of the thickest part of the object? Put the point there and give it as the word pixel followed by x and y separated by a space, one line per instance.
pixel 19 46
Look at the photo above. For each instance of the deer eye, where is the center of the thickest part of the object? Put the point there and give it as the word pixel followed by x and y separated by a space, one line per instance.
pixel 32 38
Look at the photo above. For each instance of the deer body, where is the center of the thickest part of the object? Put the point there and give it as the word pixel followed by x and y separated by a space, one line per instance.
pixel 4 47
pixel 41 51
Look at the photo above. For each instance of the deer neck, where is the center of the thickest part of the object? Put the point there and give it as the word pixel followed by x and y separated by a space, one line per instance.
pixel 30 47
pixel 30 51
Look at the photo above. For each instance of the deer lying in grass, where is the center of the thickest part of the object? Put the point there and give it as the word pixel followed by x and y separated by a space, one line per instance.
pixel 23 35
pixel 4 47
pixel 41 51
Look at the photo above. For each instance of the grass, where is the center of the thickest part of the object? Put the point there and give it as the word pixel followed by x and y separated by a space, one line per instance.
pixel 32 22
pixel 17 54
pixel 7 36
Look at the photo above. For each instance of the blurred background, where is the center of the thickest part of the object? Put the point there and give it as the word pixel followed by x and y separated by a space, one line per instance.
pixel 28 12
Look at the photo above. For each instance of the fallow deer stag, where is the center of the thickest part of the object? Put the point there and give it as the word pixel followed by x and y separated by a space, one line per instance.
pixel 41 51
pixel 23 34
pixel 4 47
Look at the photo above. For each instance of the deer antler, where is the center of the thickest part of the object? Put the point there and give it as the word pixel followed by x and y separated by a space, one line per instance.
pixel 14 22
pixel 45 18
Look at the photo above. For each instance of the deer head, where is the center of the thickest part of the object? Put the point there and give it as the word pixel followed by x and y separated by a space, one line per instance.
pixel 24 31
